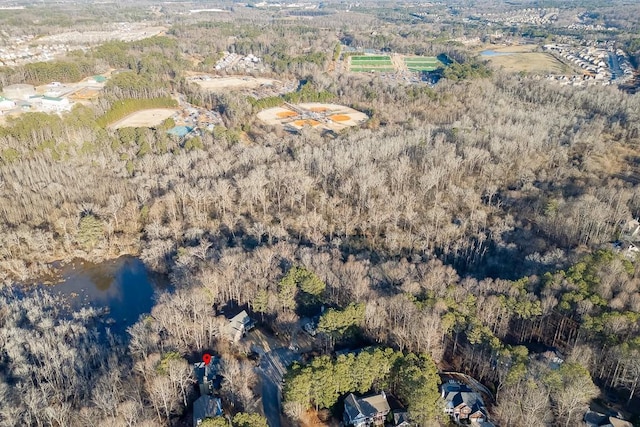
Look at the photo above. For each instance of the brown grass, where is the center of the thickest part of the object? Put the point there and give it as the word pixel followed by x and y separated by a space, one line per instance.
pixel 340 118
pixel 530 62
pixel 519 48
pixel 85 94
pixel 285 114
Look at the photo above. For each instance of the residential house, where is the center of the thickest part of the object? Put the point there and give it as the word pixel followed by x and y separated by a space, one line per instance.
pixel 207 376
pixel 401 418
pixel 365 411
pixel 596 419
pixel 462 403
pixel 206 407
pixel 238 326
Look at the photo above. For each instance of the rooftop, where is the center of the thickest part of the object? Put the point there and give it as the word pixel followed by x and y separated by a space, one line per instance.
pixel 206 407
pixel 367 406
pixel 180 131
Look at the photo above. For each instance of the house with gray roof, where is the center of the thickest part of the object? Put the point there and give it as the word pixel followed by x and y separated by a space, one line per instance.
pixel 365 411
pixel 462 403
pixel 596 419
pixel 238 326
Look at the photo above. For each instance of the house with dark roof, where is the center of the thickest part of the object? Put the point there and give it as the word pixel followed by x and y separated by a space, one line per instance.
pixel 462 403
pixel 596 419
pixel 207 375
pixel 206 407
pixel 365 411
pixel 401 418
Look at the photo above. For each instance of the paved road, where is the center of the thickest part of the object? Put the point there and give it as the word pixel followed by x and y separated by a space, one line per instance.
pixel 273 366
pixel 615 66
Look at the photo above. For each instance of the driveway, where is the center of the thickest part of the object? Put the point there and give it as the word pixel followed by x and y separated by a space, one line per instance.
pixel 274 361
pixel 273 365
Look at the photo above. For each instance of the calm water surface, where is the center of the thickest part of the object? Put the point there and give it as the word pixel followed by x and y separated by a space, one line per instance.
pixel 123 286
pixel 494 53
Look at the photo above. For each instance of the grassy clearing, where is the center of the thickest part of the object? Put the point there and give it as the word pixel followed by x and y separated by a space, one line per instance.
pixel 422 63
pixel 370 58
pixel 381 64
pixel 375 69
pixel 432 59
pixel 422 68
pixel 372 63
pixel 532 63
pixel 371 66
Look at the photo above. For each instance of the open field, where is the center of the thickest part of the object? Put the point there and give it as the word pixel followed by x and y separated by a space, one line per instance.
pixel 316 115
pixel 529 62
pixel 144 118
pixel 380 63
pixel 516 48
pixel 359 58
pixel 393 63
pixel 422 63
pixel 216 84
pixel 369 68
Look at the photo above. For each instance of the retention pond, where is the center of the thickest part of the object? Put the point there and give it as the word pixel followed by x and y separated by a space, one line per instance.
pixel 123 287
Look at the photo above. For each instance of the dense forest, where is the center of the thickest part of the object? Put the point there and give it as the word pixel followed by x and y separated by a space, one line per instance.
pixel 465 225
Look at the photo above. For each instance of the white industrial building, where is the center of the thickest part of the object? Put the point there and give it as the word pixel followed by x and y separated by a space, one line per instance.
pixel 50 103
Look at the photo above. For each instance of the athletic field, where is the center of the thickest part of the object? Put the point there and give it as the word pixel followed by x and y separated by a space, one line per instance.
pixel 422 63
pixel 379 63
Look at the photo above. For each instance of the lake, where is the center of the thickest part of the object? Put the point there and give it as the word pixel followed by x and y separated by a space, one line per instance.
pixel 494 53
pixel 124 286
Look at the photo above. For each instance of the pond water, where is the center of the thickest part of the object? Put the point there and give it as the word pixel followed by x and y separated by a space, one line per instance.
pixel 122 286
pixel 494 53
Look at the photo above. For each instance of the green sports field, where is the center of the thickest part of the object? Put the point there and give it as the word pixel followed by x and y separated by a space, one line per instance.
pixel 377 69
pixel 367 63
pixel 422 63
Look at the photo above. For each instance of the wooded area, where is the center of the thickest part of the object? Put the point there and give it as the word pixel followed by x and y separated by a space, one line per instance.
pixel 465 225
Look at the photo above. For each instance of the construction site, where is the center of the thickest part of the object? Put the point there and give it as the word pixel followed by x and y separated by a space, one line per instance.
pixel 324 117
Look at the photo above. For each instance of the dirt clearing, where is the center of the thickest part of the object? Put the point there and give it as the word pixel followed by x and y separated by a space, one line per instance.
pixel 144 118
pixel 215 84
